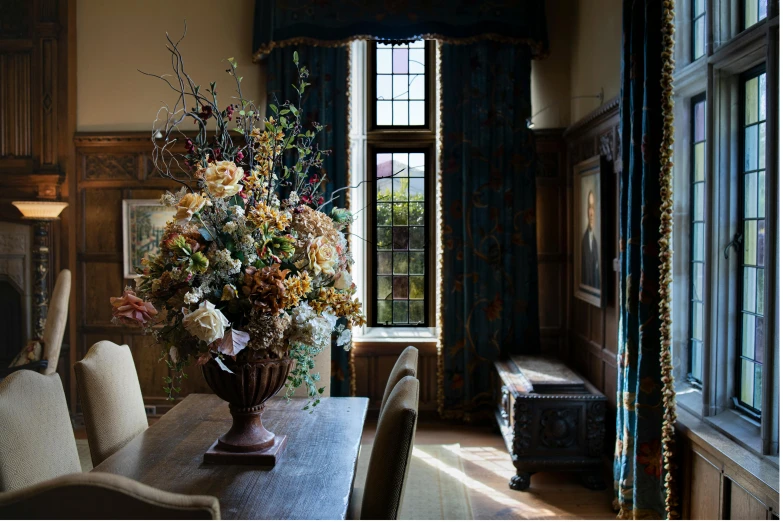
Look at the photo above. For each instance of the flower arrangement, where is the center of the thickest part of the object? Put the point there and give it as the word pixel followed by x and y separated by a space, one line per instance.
pixel 251 266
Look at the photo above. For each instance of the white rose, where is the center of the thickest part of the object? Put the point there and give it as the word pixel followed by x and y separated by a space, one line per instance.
pixel 345 339
pixel 207 323
pixel 343 281
pixel 322 256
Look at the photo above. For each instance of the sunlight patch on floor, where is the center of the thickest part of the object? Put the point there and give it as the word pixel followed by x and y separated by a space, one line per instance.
pixel 517 506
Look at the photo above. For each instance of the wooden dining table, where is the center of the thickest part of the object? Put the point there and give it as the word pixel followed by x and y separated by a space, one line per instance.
pixel 313 480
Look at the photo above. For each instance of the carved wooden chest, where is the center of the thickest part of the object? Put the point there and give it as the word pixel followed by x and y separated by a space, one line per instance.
pixel 551 419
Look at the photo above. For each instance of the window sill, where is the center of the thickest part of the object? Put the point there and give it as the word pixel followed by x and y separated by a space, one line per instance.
pixel 712 435
pixel 397 335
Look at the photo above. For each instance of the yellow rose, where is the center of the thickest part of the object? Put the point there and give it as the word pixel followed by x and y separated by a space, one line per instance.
pixel 189 205
pixel 222 179
pixel 322 256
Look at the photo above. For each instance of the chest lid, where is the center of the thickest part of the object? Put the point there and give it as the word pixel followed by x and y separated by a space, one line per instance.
pixel 547 375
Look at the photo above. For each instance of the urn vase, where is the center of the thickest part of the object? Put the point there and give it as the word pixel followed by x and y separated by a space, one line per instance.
pixel 248 385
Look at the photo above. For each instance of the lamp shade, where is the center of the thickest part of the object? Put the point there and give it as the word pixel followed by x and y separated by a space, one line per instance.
pixel 40 209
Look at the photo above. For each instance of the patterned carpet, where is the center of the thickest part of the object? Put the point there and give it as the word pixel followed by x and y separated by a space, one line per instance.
pixel 436 487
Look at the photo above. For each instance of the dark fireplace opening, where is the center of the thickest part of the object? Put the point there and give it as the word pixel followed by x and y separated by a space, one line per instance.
pixel 12 335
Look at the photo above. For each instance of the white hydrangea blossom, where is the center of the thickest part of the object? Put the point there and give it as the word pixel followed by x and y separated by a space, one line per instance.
pixel 309 328
pixel 345 339
pixel 230 227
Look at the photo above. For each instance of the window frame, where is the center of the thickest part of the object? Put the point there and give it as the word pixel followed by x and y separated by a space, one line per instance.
pixel 399 138
pixel 694 101
pixel 745 409
pixel 730 51
pixel 694 19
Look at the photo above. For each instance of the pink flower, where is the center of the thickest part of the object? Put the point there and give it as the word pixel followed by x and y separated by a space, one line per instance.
pixel 131 310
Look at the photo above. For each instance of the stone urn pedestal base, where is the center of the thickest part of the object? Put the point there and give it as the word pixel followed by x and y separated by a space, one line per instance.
pixel 246 390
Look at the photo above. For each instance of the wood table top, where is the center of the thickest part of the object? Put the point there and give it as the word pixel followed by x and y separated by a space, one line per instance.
pixel 314 479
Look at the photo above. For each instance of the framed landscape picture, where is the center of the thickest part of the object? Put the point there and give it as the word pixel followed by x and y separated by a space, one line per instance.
pixel 589 251
pixel 143 221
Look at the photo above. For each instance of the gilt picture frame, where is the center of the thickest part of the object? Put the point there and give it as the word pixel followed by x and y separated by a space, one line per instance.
pixel 590 237
pixel 143 221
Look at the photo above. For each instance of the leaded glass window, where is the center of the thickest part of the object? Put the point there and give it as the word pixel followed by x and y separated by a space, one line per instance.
pixel 401 228
pixel 751 328
pixel 698 258
pixel 753 11
pixel 401 84
pixel 699 28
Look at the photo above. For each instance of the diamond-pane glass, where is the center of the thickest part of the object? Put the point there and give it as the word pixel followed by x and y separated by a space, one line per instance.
pixel 401 225
pixel 751 324
pixel 400 84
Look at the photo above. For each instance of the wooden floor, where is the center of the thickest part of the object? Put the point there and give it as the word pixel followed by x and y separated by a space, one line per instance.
pixel 487 469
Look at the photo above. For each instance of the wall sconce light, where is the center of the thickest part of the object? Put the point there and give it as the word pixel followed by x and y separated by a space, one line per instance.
pixel 600 97
pixel 41 213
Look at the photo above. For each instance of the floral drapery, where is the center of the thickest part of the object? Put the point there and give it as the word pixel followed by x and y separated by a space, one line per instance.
pixel 325 101
pixel 490 273
pixel 316 22
pixel 645 395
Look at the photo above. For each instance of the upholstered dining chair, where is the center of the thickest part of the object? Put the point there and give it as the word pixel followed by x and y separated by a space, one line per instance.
pixel 36 436
pixel 407 364
pixel 103 496
pixel 390 459
pixel 56 318
pixel 111 400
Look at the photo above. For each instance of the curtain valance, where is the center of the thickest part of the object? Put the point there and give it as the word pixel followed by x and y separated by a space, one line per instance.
pixel 280 23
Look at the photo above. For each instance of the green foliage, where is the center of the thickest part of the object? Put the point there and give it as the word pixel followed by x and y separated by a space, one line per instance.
pixel 305 362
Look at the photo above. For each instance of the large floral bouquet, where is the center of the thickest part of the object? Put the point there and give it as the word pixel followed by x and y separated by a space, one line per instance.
pixel 250 266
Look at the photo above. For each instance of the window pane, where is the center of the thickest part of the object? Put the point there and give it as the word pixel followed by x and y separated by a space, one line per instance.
pixel 698 321
pixel 698 202
pixel 760 291
pixel 751 12
pixel 400 60
pixel 698 38
pixel 417 113
pixel 417 287
pixel 762 146
pixel 416 213
pixel 760 224
pixel 416 61
pixel 400 262
pixel 384 213
pixel 698 242
pixel 401 312
pixel 696 355
pixel 400 87
pixel 750 242
pixel 757 378
pixel 416 88
pixel 384 113
pixel 416 312
pixel 749 297
pixel 384 287
pixel 751 101
pixel 400 213
pixel 698 281
pixel 698 162
pixel 762 9
pixel 384 189
pixel 746 378
pixel 384 60
pixel 748 335
pixel 759 351
pixel 752 147
pixel 763 96
pixel 698 7
pixel 384 87
pixel 384 263
pixel 416 165
pixel 762 201
pixel 384 312
pixel 417 238
pixel 400 239
pixel 400 112
pixel 416 263
pixel 751 195
pixel 384 239
pixel 400 290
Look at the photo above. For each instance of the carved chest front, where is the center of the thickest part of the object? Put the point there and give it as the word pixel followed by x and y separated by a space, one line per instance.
pixel 551 419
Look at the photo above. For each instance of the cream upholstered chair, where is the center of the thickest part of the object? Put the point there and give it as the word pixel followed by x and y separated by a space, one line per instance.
pixel 56 318
pixel 381 497
pixel 103 496
pixel 36 436
pixel 111 399
pixel 407 364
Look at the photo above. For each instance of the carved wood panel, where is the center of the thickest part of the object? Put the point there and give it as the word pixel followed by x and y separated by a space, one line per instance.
pixel 15 109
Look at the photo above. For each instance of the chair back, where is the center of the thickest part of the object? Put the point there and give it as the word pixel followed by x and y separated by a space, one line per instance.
pixel 56 318
pixel 96 496
pixel 407 364
pixel 36 436
pixel 111 399
pixel 390 459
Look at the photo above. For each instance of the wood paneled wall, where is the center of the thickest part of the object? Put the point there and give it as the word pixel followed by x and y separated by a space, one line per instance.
pixel 110 168
pixel 36 118
pixel 592 331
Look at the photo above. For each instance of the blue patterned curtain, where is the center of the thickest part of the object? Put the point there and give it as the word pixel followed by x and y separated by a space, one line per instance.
pixel 318 22
pixel 645 411
pixel 490 267
pixel 325 101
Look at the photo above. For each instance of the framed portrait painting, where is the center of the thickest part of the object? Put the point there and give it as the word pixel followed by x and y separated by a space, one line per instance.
pixel 589 232
pixel 143 221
